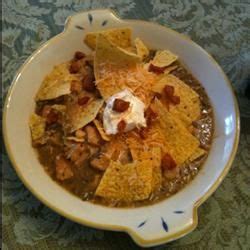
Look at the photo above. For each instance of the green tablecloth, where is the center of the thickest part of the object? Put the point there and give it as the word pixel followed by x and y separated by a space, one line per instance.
pixel 223 29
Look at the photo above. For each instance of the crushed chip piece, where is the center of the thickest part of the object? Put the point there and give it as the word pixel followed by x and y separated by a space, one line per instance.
pixel 199 152
pixel 101 131
pixel 56 83
pixel 141 48
pixel 170 68
pixel 78 116
pixel 179 142
pixel 37 126
pixel 129 182
pixel 164 58
pixel 189 108
pixel 120 37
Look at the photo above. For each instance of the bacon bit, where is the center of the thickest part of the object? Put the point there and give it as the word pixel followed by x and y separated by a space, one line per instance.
pixel 75 67
pixel 52 117
pixel 167 162
pixel 79 55
pixel 155 69
pixel 63 169
pixel 150 115
pixel 76 86
pixel 169 92
pixel 175 100
pixel 83 100
pixel 143 133
pixel 88 82
pixel 120 105
pixel 157 95
pixel 121 126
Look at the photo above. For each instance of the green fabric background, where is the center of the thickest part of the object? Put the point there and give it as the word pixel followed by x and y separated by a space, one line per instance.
pixel 223 29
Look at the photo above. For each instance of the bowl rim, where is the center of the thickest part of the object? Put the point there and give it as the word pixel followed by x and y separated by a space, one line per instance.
pixel 141 241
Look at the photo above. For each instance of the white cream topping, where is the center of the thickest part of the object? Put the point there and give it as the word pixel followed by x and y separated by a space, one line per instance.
pixel 133 116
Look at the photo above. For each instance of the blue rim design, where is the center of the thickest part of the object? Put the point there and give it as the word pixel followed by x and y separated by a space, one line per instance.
pixel 104 22
pixel 79 27
pixel 178 212
pixel 164 224
pixel 90 17
pixel 142 224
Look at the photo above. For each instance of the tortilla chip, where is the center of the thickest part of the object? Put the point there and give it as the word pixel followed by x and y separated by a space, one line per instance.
pixel 199 152
pixel 157 173
pixel 101 131
pixel 56 83
pixel 189 108
pixel 135 144
pixel 140 151
pixel 141 48
pixel 120 37
pixel 169 69
pixel 179 142
pixel 37 126
pixel 78 116
pixel 116 69
pixel 164 58
pixel 108 53
pixel 129 182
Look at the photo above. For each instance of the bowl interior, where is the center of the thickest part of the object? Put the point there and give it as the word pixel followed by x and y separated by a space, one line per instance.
pixel 20 104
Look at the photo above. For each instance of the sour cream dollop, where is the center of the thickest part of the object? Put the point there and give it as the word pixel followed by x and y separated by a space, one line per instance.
pixel 133 116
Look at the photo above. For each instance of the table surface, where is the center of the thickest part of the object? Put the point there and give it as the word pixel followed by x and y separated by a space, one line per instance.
pixel 223 29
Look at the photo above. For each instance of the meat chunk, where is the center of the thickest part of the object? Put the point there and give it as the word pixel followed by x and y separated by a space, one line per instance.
pixel 50 114
pixel 79 154
pixel 93 137
pixel 80 134
pixel 101 163
pixel 93 150
pixel 63 169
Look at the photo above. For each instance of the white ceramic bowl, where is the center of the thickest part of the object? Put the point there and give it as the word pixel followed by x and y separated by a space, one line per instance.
pixel 150 225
